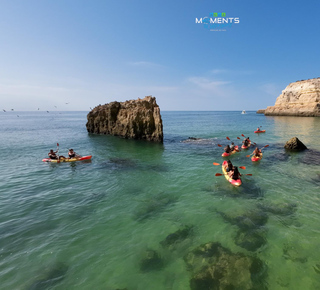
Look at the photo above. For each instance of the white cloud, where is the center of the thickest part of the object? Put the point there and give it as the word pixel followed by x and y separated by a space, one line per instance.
pixel 207 84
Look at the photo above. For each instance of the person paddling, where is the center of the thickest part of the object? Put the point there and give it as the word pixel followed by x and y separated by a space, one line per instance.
pixel 246 142
pixel 227 149
pixel 73 154
pixel 256 152
pixel 53 155
pixel 229 166
pixel 232 147
pixel 235 174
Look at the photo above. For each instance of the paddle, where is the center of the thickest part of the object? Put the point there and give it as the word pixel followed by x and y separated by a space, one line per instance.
pixel 58 153
pixel 220 174
pixel 260 150
pixel 242 167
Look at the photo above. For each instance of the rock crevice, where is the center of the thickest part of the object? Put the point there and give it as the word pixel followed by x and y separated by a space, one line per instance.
pixel 134 119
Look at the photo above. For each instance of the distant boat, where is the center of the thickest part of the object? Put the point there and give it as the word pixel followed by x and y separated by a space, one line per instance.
pixel 244 112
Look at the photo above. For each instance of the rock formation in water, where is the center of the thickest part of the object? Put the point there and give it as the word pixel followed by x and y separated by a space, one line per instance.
pixel 134 119
pixel 262 111
pixel 295 144
pixel 301 98
pixel 215 267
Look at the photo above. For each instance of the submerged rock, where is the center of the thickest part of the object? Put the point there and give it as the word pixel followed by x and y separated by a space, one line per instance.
pixel 153 206
pixel 216 267
pixel 52 277
pixel 294 252
pixel 248 220
pixel 294 144
pixel 177 236
pixel 311 157
pixel 251 240
pixel 279 208
pixel 151 261
pixel 317 268
pixel 134 119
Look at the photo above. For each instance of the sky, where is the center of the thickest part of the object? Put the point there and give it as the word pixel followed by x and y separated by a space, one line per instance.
pixel 72 54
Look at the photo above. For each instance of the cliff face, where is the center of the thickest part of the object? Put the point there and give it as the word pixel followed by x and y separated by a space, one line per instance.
pixel 134 119
pixel 301 98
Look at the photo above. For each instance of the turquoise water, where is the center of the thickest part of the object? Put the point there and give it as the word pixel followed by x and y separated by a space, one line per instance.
pixel 89 224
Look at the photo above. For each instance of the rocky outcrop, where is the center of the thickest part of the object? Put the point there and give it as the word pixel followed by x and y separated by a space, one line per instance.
pixel 301 98
pixel 295 144
pixel 261 111
pixel 134 119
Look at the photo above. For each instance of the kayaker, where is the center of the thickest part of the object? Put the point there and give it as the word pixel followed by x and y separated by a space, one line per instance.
pixel 53 155
pixel 229 166
pixel 256 152
pixel 245 142
pixel 73 154
pixel 232 146
pixel 235 174
pixel 258 129
pixel 227 149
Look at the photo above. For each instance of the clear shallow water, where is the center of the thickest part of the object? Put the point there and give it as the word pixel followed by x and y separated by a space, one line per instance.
pixel 88 224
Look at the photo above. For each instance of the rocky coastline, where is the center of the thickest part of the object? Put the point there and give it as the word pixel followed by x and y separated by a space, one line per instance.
pixel 301 98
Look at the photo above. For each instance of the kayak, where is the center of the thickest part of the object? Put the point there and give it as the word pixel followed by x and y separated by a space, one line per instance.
pixel 246 147
pixel 67 159
pixel 255 158
pixel 260 131
pixel 232 181
pixel 236 149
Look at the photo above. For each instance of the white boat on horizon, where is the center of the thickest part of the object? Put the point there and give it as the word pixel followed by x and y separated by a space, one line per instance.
pixel 244 112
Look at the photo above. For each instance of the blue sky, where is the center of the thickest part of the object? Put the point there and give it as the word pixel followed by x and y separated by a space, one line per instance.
pixel 87 53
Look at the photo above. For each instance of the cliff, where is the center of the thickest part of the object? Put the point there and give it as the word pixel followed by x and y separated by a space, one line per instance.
pixel 301 98
pixel 134 119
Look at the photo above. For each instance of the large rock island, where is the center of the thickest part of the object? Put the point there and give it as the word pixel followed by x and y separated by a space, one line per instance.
pixel 301 98
pixel 134 119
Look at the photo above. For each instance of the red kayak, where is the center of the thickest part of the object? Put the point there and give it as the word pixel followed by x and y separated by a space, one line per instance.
pixel 255 158
pixel 67 159
pixel 260 131
pixel 246 147
pixel 236 149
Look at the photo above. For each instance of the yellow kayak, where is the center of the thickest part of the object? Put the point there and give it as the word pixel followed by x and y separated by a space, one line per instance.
pixel 67 159
pixel 234 182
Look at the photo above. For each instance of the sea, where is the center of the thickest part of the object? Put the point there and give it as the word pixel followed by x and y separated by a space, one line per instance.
pixel 129 217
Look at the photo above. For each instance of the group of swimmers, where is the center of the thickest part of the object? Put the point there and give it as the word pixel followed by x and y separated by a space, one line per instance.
pixel 71 154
